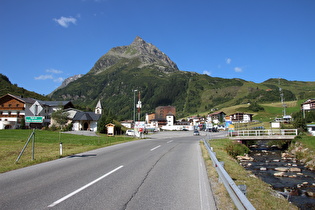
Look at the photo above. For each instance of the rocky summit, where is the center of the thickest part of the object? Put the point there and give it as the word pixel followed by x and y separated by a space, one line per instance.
pixel 146 53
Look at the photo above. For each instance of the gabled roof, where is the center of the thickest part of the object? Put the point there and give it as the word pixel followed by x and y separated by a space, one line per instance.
pixel 46 103
pixel 21 99
pixel 56 103
pixel 88 116
pixel 216 113
pixel 309 101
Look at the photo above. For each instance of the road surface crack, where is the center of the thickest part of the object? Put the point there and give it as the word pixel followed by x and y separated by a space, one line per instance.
pixel 145 177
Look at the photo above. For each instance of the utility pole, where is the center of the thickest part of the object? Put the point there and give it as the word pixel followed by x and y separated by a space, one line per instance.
pixel 134 106
pixel 282 99
pixel 139 105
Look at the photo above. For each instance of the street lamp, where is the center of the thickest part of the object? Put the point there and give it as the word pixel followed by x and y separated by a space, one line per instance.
pixel 134 105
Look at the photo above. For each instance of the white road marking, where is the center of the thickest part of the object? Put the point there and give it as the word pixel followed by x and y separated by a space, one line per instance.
pixel 155 147
pixel 169 141
pixel 84 187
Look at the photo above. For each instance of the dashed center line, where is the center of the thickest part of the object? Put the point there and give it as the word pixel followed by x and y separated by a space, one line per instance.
pixel 82 188
pixel 169 141
pixel 155 147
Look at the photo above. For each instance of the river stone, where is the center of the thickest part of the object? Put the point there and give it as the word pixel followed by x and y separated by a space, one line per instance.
pixel 279 174
pixel 295 169
pixel 310 194
pixel 283 169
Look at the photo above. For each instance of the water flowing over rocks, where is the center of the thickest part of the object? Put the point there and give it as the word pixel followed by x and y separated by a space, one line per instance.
pixel 288 176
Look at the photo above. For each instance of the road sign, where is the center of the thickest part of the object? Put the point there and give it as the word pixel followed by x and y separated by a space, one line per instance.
pixel 34 119
pixel 36 108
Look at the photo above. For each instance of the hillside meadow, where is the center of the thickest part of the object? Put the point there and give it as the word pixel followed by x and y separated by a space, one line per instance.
pixel 47 144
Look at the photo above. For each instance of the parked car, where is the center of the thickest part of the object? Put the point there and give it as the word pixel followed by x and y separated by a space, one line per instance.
pixel 130 132
pixel 196 133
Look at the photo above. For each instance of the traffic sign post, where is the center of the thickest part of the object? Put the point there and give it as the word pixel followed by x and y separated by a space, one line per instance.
pixel 34 119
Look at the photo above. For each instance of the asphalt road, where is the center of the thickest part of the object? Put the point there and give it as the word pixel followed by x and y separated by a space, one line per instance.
pixel 163 172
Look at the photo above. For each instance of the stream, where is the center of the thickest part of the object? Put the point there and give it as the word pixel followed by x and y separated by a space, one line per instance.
pixel 285 174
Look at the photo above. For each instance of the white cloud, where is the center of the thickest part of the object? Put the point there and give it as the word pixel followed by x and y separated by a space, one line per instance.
pixel 43 77
pixel 228 60
pixel 207 73
pixel 65 21
pixel 51 76
pixel 54 71
pixel 59 80
pixel 238 69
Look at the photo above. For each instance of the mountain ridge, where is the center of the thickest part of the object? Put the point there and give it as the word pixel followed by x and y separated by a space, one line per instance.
pixel 142 66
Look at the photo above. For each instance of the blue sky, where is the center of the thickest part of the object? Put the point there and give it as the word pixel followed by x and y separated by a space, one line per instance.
pixel 43 42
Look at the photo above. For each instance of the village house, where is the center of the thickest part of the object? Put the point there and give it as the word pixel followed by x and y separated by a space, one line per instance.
pixel 308 105
pixel 86 121
pixel 216 117
pixel 241 117
pixel 15 109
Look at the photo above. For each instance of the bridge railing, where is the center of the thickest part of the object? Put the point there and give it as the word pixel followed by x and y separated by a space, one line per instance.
pixel 269 132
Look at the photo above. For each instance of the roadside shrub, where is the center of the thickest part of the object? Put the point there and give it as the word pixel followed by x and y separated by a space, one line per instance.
pixel 53 127
pixel 234 149
pixel 68 127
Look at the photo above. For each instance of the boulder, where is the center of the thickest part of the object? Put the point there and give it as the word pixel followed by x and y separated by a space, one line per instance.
pixel 244 158
pixel 279 174
pixel 283 169
pixel 310 194
pixel 295 170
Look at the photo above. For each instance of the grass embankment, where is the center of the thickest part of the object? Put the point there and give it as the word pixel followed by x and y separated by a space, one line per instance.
pixel 259 193
pixel 47 146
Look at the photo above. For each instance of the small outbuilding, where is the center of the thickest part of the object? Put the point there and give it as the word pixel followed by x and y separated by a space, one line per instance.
pixel 110 129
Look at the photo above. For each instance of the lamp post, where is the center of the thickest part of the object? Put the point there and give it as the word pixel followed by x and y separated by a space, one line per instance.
pixel 134 105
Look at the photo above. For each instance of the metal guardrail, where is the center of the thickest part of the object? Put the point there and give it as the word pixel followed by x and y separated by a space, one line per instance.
pixel 270 132
pixel 239 199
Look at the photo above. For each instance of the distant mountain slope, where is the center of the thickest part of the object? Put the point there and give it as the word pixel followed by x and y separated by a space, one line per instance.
pixel 7 87
pixel 142 66
pixel 67 82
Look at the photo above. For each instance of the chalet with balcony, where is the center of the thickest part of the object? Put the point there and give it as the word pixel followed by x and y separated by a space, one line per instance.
pixel 14 109
pixel 216 117
pixel 241 117
pixel 308 105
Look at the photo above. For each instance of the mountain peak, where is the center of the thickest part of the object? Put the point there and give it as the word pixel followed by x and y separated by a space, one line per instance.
pixel 146 53
pixel 138 41
pixel 150 54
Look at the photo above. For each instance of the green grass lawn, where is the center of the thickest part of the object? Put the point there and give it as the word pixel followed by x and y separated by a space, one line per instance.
pixel 47 146
pixel 308 142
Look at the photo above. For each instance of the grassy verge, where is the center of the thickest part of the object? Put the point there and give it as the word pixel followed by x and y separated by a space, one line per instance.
pixel 47 146
pixel 259 193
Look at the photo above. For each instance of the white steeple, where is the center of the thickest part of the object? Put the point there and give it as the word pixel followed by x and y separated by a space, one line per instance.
pixel 98 108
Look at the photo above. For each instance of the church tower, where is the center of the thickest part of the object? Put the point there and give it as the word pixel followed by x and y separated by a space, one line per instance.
pixel 98 108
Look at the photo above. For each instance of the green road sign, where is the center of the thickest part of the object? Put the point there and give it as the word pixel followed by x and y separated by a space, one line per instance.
pixel 34 119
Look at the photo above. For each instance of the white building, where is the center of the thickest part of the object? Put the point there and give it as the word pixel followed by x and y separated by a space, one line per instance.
pixel 311 129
